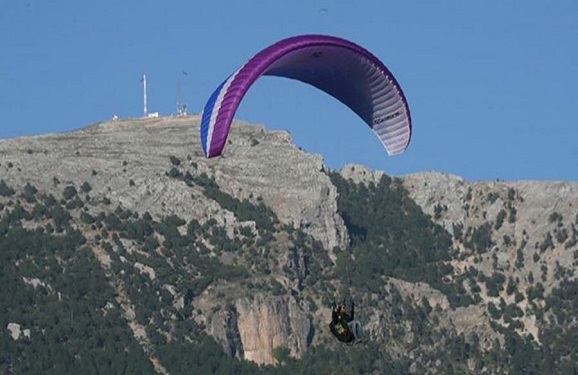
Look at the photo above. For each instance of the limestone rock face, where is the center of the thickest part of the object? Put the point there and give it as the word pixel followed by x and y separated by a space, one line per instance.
pixel 16 331
pixel 265 325
pixel 291 182
pixel 360 174
pixel 252 328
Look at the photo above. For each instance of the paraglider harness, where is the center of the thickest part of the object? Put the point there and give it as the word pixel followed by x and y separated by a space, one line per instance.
pixel 339 320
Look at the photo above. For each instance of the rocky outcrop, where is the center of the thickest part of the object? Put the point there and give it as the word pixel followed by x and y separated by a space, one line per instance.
pixel 257 163
pixel 361 174
pixel 16 331
pixel 224 326
pixel 253 327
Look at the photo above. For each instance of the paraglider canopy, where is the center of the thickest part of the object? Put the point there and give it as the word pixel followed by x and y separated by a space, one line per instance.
pixel 341 68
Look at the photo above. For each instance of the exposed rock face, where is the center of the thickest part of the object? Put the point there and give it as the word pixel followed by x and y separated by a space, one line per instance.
pixel 360 174
pixel 253 328
pixel 224 326
pixel 291 182
pixel 266 324
pixel 16 331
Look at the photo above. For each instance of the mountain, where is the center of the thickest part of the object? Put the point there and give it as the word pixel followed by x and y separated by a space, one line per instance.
pixel 125 251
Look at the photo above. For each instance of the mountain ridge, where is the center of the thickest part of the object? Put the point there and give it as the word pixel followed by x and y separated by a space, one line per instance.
pixel 272 218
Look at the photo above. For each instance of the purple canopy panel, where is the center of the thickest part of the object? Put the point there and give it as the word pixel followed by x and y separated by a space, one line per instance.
pixel 336 66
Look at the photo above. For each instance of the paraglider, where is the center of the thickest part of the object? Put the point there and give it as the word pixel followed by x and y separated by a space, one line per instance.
pixel 343 326
pixel 340 68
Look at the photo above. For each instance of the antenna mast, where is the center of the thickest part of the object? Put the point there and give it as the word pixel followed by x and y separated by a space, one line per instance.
pixel 179 97
pixel 181 107
pixel 144 88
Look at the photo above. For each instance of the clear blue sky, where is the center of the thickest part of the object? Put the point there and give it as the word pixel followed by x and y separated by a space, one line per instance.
pixel 491 85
